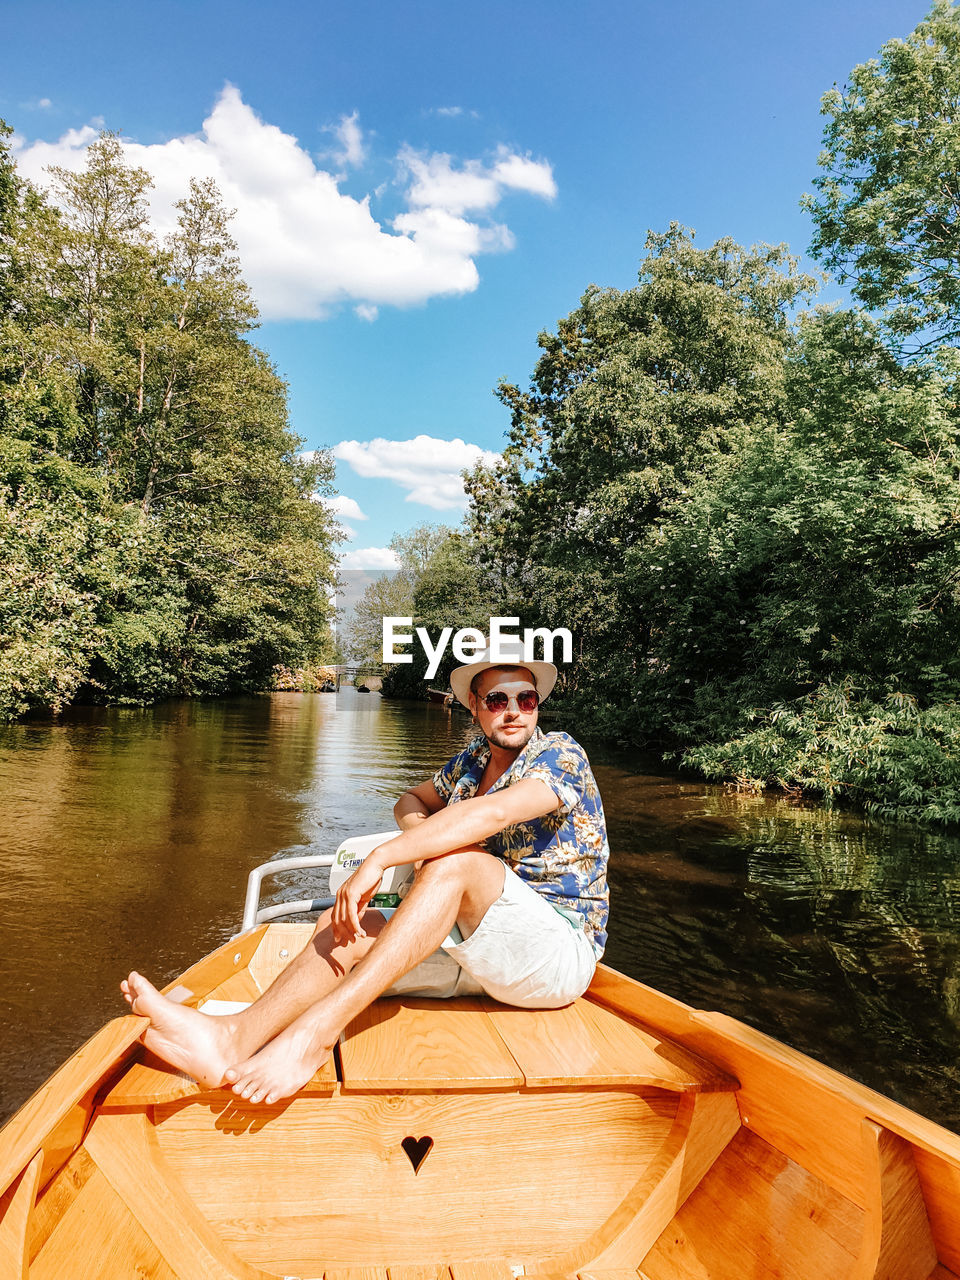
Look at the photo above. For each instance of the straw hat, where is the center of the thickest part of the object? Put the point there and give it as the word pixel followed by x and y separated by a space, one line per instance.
pixel 544 673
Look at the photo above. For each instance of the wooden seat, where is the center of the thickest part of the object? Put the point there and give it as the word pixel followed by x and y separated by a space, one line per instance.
pixel 584 1045
pixel 417 1045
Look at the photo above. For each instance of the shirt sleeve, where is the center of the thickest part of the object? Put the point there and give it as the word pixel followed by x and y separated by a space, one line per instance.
pixel 560 765
pixel 447 777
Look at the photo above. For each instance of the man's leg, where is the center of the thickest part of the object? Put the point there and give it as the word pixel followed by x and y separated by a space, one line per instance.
pixel 204 1045
pixel 458 888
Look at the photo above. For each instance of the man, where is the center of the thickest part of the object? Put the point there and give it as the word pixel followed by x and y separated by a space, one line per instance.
pixel 510 898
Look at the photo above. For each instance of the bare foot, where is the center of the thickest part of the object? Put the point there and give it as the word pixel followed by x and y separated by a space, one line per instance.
pixel 283 1067
pixel 189 1040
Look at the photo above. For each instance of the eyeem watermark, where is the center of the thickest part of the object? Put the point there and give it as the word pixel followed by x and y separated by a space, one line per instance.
pixel 505 645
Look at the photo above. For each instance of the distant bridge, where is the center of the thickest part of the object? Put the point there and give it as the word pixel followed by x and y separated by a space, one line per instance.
pixel 358 672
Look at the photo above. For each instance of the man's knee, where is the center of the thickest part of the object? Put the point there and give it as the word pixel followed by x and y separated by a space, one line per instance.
pixel 461 866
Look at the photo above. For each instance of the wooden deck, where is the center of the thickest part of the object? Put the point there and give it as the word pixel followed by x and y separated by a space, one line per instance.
pixel 403 1045
pixel 623 1136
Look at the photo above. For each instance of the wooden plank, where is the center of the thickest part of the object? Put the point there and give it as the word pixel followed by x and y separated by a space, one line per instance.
pixel 756 1213
pixel 940 1184
pixel 239 986
pixel 291 1189
pixel 586 1044
pixel 66 1135
pixel 122 1149
pixel 148 1082
pixel 27 1131
pixel 98 1237
pixel 16 1217
pixel 431 1272
pixel 356 1273
pixel 704 1125
pixel 58 1197
pixel 425 1045
pixel 196 983
pixel 625 1273
pixel 152 1082
pixel 278 946
pixel 487 1269
pixel 808 1111
pixel 897 1242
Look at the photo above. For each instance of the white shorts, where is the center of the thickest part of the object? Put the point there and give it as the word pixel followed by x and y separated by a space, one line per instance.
pixel 524 952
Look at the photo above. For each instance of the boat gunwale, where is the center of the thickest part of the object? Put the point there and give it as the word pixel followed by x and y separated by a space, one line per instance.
pixel 678 1021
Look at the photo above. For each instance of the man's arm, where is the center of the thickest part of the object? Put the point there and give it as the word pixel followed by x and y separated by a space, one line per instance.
pixel 417 804
pixel 456 826
pixel 435 834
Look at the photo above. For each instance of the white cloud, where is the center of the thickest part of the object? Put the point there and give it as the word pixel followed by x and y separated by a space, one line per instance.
pixel 366 312
pixel 438 182
pixel 428 468
pixel 305 245
pixel 341 505
pixel 523 174
pixel 350 136
pixel 370 558
pixel 451 113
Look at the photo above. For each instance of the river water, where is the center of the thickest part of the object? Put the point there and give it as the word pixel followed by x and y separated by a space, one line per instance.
pixel 126 836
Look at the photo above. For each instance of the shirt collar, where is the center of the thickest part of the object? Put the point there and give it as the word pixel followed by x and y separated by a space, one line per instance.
pixel 482 747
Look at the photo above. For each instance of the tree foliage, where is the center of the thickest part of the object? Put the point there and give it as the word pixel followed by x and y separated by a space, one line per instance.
pixel 751 521
pixel 437 585
pixel 887 209
pixel 161 530
pixel 637 393
pixel 825 553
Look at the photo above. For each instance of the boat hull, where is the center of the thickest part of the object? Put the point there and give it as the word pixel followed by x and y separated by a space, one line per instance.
pixel 627 1134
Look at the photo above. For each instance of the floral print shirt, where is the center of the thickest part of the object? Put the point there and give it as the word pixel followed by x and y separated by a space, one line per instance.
pixel 562 855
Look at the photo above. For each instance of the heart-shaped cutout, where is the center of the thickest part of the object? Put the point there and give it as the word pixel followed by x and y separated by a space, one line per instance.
pixel 417 1150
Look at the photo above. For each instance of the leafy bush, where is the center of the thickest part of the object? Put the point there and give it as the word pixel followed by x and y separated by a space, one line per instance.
pixel 897 760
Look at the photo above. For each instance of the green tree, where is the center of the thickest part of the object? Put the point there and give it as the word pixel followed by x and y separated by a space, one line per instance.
pixel 388 596
pixel 887 209
pixel 393 594
pixel 437 585
pixel 805 597
pixel 131 398
pixel 636 394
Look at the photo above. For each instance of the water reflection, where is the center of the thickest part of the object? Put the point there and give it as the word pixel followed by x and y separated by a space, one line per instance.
pixel 127 836
pixel 836 935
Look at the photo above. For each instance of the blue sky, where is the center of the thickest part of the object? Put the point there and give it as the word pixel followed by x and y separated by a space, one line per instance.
pixel 422 188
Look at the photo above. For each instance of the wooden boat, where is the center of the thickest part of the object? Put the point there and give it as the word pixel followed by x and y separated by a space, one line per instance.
pixel 627 1135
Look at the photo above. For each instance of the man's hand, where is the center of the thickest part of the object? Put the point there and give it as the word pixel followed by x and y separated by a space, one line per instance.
pixel 353 898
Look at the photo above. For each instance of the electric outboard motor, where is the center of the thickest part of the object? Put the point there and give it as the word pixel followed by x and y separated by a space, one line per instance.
pixel 396 880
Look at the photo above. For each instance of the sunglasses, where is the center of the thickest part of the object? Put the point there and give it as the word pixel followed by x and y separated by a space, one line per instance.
pixel 526 701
